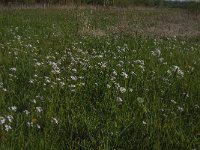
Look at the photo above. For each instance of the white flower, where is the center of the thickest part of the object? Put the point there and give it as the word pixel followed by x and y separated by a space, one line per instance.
pixel 72 86
pixel 4 89
pixel 180 109
pixel 38 109
pixel 34 101
pixel 26 112
pixel 140 62
pixel 176 70
pixel 141 67
pixel 108 86
pixel 54 120
pixel 173 101
pixel 196 106
pixel 157 52
pixel 13 69
pixel 122 89
pixel 37 64
pixel 35 75
pixel 133 73
pixel 179 72
pixel 31 81
pixel 140 100
pixel 13 108
pixel 30 124
pixel 74 78
pixel 2 120
pixel 114 73
pixel 7 127
pixel 74 70
pixel 103 64
pixel 130 89
pixel 81 84
pixel 58 79
pixel 144 123
pixel 47 79
pixel 119 99
pixel 161 60
pixel 124 75
pixel 38 126
pixel 10 118
pixel 62 84
pixel 1 84
pixel 55 68
pixel 186 95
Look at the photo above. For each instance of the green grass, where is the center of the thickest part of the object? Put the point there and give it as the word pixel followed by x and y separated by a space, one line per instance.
pixel 114 91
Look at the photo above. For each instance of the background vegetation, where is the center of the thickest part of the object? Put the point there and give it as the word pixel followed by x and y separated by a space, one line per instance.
pixel 100 2
pixel 191 6
pixel 94 2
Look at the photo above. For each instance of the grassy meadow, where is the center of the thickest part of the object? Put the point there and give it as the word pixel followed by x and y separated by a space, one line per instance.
pixel 99 78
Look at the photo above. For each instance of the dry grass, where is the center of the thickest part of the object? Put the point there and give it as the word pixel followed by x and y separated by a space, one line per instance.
pixel 145 21
pixel 159 22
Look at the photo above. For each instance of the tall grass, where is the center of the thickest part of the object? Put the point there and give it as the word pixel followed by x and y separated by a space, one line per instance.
pixel 61 88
